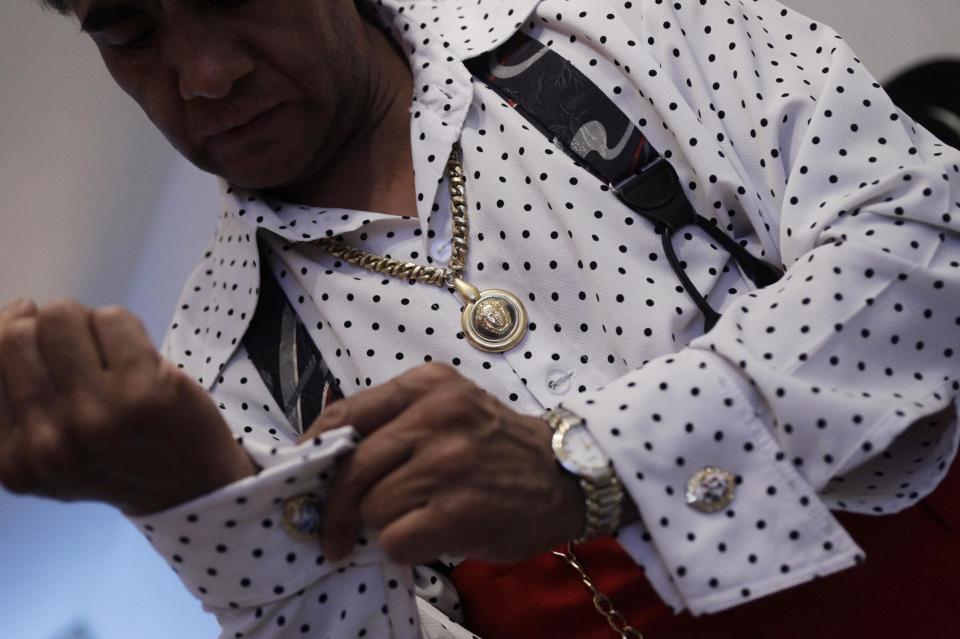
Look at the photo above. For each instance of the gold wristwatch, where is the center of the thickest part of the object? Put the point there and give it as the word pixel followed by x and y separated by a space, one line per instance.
pixel 578 453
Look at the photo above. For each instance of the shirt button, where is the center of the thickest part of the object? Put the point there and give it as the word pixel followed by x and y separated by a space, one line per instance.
pixel 559 381
pixel 302 517
pixel 441 250
pixel 711 490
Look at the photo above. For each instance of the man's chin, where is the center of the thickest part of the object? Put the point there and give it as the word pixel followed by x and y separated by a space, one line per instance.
pixel 256 183
pixel 268 166
pixel 268 174
pixel 288 174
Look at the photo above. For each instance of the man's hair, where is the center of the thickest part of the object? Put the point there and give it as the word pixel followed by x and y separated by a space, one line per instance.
pixel 62 6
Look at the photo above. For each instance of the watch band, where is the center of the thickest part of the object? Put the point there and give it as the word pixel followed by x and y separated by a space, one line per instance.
pixel 604 505
pixel 603 495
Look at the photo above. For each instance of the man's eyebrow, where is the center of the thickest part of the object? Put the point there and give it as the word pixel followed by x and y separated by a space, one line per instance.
pixel 101 17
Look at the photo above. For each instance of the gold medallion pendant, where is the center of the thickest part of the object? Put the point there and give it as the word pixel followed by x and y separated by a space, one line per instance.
pixel 493 320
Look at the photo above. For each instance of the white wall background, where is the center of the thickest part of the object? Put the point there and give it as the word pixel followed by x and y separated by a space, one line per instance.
pixel 94 205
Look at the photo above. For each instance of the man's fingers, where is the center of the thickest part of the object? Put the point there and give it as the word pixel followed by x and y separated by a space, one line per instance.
pixel 385 416
pixel 15 475
pixel 67 345
pixel 6 415
pixel 376 457
pixel 26 380
pixel 368 410
pixel 9 312
pixel 405 489
pixel 123 341
pixel 415 538
pixel 17 308
pixel 341 522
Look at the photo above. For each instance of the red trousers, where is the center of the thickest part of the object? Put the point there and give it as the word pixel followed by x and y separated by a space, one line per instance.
pixel 908 588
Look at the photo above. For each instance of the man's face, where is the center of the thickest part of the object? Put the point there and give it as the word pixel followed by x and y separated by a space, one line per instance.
pixel 251 90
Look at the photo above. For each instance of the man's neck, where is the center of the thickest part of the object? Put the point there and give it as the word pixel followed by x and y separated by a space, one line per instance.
pixel 373 169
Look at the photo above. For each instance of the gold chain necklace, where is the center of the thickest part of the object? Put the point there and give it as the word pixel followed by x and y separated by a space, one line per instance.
pixel 493 320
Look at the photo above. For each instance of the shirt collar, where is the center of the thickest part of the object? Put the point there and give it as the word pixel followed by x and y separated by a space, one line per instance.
pixel 220 296
pixel 436 41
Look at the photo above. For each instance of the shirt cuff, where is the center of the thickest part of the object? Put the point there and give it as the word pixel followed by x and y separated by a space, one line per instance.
pixel 676 416
pixel 230 548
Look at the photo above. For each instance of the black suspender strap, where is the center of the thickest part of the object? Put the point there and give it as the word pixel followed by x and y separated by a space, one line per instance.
pixel 570 110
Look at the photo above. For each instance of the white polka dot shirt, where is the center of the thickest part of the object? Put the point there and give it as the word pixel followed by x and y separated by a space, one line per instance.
pixel 833 389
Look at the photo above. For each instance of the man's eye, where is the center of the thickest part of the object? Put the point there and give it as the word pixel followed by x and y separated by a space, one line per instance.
pixel 140 42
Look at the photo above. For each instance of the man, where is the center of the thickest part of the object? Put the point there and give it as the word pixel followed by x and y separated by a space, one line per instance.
pixel 829 390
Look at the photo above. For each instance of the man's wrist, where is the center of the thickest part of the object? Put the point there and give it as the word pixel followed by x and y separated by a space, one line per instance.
pixel 578 454
pixel 237 468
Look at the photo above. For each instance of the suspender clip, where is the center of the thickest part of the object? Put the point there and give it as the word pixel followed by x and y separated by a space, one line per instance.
pixel 624 184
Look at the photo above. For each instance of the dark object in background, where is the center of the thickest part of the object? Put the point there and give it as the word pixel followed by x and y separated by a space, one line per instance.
pixel 930 94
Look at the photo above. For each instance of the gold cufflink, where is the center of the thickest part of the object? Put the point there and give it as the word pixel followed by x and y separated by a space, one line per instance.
pixel 303 517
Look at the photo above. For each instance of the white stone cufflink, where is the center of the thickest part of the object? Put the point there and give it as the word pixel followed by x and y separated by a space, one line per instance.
pixel 711 490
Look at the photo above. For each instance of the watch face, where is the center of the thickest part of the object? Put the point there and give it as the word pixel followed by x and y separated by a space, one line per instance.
pixel 581 455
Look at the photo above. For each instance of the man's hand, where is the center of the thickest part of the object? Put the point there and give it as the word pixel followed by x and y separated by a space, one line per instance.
pixel 446 468
pixel 89 411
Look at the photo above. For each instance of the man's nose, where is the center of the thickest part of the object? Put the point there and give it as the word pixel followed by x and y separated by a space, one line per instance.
pixel 209 64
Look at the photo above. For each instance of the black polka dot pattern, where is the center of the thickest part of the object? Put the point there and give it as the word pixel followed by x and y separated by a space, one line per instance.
pixel 231 551
pixel 829 390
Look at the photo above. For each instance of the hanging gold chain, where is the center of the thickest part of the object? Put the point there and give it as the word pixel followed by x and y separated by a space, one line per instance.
pixel 458 211
pixel 600 601
pixel 411 270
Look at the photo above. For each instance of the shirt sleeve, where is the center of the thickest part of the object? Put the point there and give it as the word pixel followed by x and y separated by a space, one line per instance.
pixel 231 551
pixel 834 388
